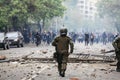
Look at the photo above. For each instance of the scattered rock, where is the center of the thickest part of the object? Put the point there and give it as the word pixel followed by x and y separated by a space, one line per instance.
pixel 44 52
pixel 111 71
pixel 2 57
pixel 106 72
pixel 93 75
pixel 74 79
pixel 31 79
pixel 48 68
pixel 4 71
pixel 32 71
pixel 95 70
pixel 103 69
pixel 38 67
pixel 22 60
pixel 37 73
pixel 113 64
pixel 24 73
pixel 14 62
pixel 48 74
pixel 103 50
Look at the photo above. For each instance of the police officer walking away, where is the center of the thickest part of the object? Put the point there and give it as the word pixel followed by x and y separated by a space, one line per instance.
pixel 62 44
pixel 38 38
pixel 116 45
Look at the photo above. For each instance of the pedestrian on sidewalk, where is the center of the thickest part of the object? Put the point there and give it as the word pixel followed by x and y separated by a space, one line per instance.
pixel 62 44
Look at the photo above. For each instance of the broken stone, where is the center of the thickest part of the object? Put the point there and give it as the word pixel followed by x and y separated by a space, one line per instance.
pixel 93 75
pixel 21 60
pixel 106 72
pixel 103 69
pixel 37 73
pixel 31 79
pixel 24 73
pixel 4 71
pixel 14 62
pixel 74 79
pixel 48 68
pixel 2 57
pixel 113 64
pixel 38 67
pixel 44 52
pixel 103 50
pixel 48 74
pixel 112 70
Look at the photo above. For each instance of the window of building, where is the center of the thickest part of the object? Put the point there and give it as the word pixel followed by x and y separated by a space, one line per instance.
pixel 81 6
pixel 86 12
pixel 91 8
pixel 82 2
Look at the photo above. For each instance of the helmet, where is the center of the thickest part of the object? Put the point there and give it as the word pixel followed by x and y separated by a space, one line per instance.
pixel 63 31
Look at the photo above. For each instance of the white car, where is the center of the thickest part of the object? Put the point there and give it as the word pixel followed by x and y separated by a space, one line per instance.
pixel 4 43
pixel 15 38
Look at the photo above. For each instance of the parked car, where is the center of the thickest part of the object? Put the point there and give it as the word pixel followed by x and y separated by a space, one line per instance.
pixel 15 38
pixel 4 43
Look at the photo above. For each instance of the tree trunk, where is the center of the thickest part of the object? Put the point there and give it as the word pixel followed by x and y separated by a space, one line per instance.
pixel 14 23
pixel 43 25
pixel 39 26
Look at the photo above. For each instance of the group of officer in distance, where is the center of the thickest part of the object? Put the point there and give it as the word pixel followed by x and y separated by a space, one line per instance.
pixel 62 44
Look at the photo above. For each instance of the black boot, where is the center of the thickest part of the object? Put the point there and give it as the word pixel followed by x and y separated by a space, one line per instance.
pixel 63 74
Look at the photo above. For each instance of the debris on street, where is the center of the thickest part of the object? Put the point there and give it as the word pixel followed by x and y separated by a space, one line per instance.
pixel 2 57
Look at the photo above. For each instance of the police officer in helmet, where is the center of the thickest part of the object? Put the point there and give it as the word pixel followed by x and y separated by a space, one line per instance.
pixel 62 44
pixel 116 45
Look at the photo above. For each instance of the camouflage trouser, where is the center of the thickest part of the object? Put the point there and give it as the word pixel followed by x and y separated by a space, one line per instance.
pixel 62 60
pixel 118 58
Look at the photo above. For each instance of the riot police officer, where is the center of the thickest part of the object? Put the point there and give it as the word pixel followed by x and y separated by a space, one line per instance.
pixel 116 45
pixel 38 38
pixel 62 44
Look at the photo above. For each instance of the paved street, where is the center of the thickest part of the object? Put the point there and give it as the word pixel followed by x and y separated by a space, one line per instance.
pixel 35 70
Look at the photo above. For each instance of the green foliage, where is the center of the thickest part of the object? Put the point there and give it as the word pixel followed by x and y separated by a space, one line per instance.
pixel 111 9
pixel 15 13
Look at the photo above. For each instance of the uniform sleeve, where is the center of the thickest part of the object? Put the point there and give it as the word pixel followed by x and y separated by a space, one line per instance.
pixel 115 43
pixel 54 43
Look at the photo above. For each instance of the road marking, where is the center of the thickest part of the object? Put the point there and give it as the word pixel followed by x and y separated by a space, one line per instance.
pixel 35 75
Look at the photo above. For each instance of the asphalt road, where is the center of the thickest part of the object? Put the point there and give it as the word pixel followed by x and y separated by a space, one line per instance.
pixel 34 70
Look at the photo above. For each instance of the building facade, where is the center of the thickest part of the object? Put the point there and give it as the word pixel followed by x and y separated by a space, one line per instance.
pixel 87 8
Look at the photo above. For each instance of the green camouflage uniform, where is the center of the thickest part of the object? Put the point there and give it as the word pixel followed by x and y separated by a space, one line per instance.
pixel 61 44
pixel 116 45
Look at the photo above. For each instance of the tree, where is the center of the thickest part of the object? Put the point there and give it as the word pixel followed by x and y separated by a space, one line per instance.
pixel 15 13
pixel 111 9
pixel 48 9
